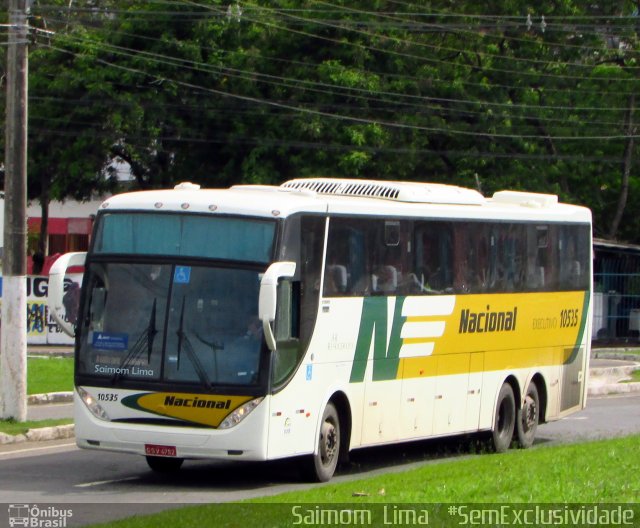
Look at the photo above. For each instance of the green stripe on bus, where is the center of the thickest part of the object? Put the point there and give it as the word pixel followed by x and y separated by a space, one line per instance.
pixel 373 326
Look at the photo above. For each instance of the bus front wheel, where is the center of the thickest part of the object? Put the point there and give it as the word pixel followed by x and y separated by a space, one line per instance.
pixel 324 461
pixel 505 419
pixel 528 417
pixel 164 464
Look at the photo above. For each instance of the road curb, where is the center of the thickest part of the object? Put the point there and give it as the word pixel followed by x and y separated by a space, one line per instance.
pixel 610 379
pixel 614 353
pixel 613 388
pixel 51 397
pixel 58 432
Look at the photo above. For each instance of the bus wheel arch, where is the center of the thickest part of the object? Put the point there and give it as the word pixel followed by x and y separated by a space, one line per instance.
pixel 341 403
pixel 333 437
pixel 541 385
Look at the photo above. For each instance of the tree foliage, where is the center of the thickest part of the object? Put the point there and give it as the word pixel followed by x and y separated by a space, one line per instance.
pixel 487 94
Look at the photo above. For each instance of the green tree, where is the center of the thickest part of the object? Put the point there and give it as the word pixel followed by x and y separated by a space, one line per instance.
pixel 491 95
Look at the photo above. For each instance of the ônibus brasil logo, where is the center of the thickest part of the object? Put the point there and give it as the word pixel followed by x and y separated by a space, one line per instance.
pixel 34 516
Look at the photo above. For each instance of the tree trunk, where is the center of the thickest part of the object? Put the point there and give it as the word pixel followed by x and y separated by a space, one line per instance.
pixel 626 170
pixel 43 240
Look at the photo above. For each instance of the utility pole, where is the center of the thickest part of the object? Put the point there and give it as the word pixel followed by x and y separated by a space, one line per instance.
pixel 13 334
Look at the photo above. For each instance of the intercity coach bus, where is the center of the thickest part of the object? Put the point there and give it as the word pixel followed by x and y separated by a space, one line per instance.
pixel 325 315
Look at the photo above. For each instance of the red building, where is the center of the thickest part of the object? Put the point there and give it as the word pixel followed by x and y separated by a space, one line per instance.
pixel 69 229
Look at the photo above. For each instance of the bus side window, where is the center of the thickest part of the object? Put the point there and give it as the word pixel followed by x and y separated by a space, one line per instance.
pixel 335 280
pixel 347 269
pixel 433 257
pixel 287 323
pixel 96 311
pixel 298 299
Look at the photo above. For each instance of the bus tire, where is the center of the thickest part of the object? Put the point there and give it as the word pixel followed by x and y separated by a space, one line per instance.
pixel 505 420
pixel 527 417
pixel 164 464
pixel 323 463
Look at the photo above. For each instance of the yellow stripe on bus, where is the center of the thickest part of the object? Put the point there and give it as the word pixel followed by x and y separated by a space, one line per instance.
pixel 450 364
pixel 417 340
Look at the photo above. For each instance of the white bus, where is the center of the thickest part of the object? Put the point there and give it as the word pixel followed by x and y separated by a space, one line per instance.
pixel 326 315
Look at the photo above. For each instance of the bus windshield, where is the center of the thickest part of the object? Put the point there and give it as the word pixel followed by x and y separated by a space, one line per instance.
pixel 171 323
pixel 173 298
pixel 185 235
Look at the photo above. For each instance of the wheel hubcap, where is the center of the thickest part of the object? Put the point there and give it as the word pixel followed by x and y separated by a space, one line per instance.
pixel 529 413
pixel 329 443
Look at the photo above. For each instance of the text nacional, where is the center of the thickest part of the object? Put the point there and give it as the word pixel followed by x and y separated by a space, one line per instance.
pixel 488 321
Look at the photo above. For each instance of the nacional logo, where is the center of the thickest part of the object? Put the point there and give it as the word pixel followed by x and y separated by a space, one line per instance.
pixel 409 328
pixel 398 328
pixel 200 409
pixel 488 321
pixel 196 402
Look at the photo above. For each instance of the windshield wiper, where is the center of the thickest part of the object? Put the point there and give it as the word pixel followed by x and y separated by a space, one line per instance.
pixel 215 347
pixel 193 357
pixel 151 331
pixel 146 337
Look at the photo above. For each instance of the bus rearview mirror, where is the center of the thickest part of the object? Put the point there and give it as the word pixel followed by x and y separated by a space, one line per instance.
pixel 55 294
pixel 268 300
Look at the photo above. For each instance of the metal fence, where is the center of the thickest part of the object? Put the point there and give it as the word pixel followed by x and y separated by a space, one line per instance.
pixel 616 298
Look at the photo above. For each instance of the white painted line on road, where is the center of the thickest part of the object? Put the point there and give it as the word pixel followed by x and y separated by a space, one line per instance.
pixel 576 418
pixel 103 482
pixel 35 450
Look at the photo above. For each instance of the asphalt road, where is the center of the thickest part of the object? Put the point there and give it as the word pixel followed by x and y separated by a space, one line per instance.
pixel 102 486
pixel 50 412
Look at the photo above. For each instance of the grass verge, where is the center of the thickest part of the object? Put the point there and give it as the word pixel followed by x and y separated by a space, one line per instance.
pixel 44 374
pixel 620 352
pixel 11 427
pixel 633 378
pixel 594 472
pixel 49 374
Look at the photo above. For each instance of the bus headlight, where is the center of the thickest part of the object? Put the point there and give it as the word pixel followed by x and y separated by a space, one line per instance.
pixel 91 403
pixel 239 414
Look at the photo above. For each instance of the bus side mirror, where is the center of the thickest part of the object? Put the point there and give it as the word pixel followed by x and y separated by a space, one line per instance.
pixel 268 299
pixel 56 289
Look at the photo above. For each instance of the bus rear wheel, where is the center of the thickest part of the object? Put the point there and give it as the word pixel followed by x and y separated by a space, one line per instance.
pixel 323 463
pixel 164 464
pixel 505 420
pixel 528 417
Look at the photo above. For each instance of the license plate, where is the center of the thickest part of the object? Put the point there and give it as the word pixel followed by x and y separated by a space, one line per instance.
pixel 159 450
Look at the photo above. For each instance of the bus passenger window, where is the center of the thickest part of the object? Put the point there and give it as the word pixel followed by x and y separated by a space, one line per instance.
pixel 346 269
pixel 335 280
pixel 385 280
pixel 433 260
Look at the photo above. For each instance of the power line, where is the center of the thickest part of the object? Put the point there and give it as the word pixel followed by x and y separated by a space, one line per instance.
pixel 219 12
pixel 423 58
pixel 331 89
pixel 384 75
pixel 333 146
pixel 353 119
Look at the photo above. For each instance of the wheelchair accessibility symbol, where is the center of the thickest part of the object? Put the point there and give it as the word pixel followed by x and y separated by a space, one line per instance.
pixel 182 275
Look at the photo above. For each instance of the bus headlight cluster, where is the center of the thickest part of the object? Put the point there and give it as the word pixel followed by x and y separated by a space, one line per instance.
pixel 239 414
pixel 92 404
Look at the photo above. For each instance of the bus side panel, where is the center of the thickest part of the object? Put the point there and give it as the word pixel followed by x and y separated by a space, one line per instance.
pixel 406 379
pixel 417 401
pixel 452 380
pixel 296 410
